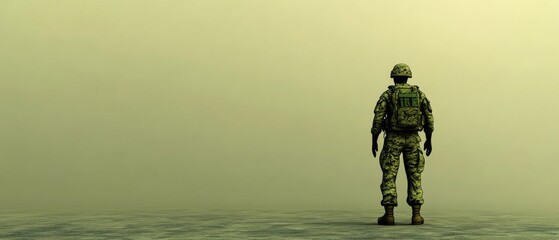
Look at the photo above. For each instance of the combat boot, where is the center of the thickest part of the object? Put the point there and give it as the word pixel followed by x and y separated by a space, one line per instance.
pixel 416 218
pixel 388 217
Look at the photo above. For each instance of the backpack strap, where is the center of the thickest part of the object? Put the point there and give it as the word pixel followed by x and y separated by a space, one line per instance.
pixel 416 88
pixel 392 90
pixel 390 102
pixel 388 93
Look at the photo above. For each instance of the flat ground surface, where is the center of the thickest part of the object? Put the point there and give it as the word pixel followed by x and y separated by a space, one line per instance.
pixel 188 224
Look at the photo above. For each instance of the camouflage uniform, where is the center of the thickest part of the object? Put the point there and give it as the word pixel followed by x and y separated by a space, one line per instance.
pixel 397 142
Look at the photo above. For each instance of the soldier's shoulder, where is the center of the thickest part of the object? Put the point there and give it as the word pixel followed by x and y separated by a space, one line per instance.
pixel 391 89
pixel 386 94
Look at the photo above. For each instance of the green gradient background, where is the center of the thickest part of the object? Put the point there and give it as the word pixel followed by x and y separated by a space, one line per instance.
pixel 250 104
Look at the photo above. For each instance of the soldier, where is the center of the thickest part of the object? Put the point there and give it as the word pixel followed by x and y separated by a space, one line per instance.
pixel 402 111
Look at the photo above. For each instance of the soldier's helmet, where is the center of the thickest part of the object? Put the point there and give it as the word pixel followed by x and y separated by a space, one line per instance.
pixel 401 70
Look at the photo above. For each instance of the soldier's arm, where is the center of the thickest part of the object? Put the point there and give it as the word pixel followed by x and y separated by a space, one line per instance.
pixel 380 112
pixel 429 125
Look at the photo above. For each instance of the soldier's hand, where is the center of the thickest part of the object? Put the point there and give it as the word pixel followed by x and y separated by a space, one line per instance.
pixel 428 148
pixel 375 148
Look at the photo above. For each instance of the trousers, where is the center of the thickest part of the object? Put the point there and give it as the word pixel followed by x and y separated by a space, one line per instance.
pixel 407 144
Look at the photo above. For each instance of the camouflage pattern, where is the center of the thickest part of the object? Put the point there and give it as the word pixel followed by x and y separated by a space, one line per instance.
pixel 396 143
pixel 409 118
pixel 408 112
pixel 384 120
pixel 399 141
pixel 401 70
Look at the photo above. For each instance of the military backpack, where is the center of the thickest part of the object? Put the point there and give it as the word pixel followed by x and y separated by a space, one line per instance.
pixel 405 112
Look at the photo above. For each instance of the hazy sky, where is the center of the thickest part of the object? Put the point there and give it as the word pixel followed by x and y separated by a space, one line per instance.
pixel 268 104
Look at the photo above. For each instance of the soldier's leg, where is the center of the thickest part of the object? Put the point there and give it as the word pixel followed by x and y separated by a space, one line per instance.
pixel 414 163
pixel 389 162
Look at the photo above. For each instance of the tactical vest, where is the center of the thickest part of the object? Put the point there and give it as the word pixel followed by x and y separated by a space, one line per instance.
pixel 405 109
